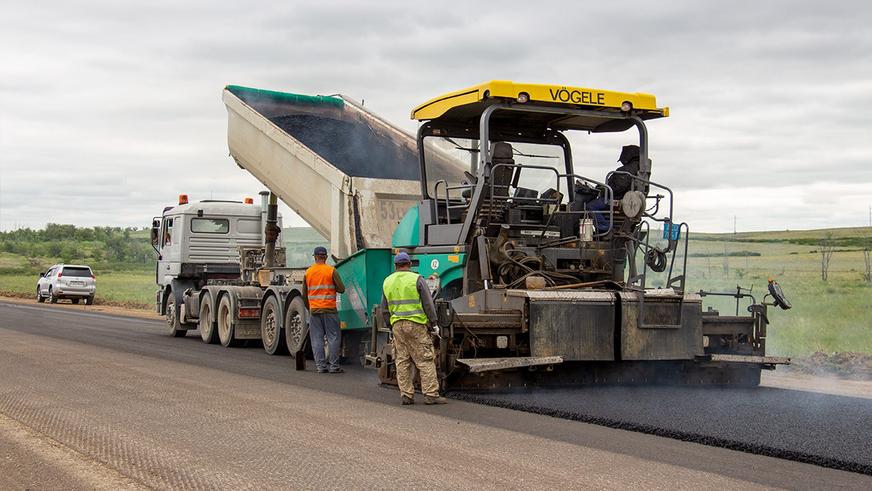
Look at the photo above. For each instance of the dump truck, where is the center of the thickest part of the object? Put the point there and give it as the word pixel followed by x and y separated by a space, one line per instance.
pixel 541 275
pixel 220 270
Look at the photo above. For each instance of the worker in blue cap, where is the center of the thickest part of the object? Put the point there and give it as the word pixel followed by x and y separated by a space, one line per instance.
pixel 408 308
pixel 321 285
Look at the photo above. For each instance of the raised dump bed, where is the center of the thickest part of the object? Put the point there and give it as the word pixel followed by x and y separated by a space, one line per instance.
pixel 350 174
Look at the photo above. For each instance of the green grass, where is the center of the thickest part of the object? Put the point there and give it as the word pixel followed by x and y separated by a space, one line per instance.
pixel 13 262
pixel 830 316
pixel 134 289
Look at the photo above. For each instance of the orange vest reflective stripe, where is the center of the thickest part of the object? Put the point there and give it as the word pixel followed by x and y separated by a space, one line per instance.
pixel 320 288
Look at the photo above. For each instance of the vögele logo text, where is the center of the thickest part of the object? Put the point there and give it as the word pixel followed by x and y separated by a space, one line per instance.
pixel 577 96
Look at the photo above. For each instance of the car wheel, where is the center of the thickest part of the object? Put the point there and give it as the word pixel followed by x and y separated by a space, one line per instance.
pixel 74 300
pixel 89 300
pixel 39 297
pixel 207 326
pixel 174 324
pixel 51 296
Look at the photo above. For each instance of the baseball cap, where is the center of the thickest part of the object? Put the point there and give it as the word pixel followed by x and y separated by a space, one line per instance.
pixel 320 251
pixel 402 258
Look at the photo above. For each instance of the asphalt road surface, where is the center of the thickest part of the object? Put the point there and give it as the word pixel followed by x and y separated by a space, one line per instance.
pixel 92 400
pixel 825 429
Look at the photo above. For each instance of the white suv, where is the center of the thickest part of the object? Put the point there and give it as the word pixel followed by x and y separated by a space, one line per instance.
pixel 72 281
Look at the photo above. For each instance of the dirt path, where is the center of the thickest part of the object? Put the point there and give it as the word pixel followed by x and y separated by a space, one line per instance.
pixel 81 307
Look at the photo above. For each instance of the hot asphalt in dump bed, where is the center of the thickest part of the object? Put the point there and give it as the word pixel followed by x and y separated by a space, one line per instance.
pixel 352 147
pixel 823 429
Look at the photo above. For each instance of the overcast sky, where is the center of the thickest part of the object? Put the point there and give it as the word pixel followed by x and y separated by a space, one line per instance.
pixel 109 110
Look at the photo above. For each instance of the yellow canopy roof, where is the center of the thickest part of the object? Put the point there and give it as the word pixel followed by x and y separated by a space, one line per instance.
pixel 478 97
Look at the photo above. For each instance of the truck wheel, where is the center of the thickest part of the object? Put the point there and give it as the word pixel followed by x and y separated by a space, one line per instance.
pixel 39 297
pixel 225 322
pixel 207 325
pixel 89 300
pixel 271 327
pixel 75 301
pixel 174 324
pixel 51 296
pixel 296 328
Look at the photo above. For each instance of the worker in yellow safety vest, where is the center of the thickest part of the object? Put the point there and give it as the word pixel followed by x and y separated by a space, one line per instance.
pixel 408 308
pixel 321 285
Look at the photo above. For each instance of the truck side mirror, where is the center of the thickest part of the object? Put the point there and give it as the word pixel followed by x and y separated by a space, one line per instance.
pixel 155 229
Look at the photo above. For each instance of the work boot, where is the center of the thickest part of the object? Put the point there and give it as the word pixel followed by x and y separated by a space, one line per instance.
pixel 435 400
pixel 408 401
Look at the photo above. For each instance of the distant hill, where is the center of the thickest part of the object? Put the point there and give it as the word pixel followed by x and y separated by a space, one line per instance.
pixel 841 237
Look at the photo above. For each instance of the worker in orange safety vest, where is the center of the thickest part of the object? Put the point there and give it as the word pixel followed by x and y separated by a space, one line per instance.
pixel 321 285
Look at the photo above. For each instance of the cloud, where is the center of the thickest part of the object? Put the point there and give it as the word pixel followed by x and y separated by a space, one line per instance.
pixel 108 110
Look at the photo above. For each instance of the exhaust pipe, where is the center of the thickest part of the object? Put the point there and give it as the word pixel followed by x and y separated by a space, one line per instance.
pixel 271 229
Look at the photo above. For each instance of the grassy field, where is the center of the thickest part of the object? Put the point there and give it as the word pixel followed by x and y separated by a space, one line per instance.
pixel 128 288
pixel 835 315
pixel 827 316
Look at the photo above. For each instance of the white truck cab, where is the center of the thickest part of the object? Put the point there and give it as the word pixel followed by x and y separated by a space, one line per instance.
pixel 199 241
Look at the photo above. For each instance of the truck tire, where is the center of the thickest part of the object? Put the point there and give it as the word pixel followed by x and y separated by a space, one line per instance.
pixel 224 319
pixel 174 324
pixel 75 301
pixel 89 300
pixel 51 296
pixel 39 297
pixel 296 329
pixel 271 327
pixel 208 332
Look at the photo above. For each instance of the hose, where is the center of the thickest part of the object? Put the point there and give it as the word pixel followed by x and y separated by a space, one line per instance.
pixel 656 260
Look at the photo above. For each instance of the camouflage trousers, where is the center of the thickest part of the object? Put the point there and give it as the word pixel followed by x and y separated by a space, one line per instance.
pixel 413 346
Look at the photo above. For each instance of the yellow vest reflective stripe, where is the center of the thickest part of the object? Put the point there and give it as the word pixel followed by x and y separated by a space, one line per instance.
pixel 404 303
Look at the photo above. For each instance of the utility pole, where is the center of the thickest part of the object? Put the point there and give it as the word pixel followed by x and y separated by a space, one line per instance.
pixel 867 249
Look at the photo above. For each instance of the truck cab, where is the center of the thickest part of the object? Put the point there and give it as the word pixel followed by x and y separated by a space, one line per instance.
pixel 198 242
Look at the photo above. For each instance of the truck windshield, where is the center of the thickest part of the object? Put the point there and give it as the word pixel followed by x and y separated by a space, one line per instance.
pixel 210 225
pixel 76 272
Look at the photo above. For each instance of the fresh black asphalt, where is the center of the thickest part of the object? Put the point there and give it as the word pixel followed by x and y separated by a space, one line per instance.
pixel 823 429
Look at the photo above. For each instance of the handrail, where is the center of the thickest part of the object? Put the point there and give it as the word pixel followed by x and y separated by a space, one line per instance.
pixel 448 205
pixel 609 199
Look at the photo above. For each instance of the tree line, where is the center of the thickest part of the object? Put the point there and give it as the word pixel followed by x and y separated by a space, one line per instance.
pixel 100 247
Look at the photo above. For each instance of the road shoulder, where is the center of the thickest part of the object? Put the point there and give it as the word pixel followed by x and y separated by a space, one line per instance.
pixel 81 307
